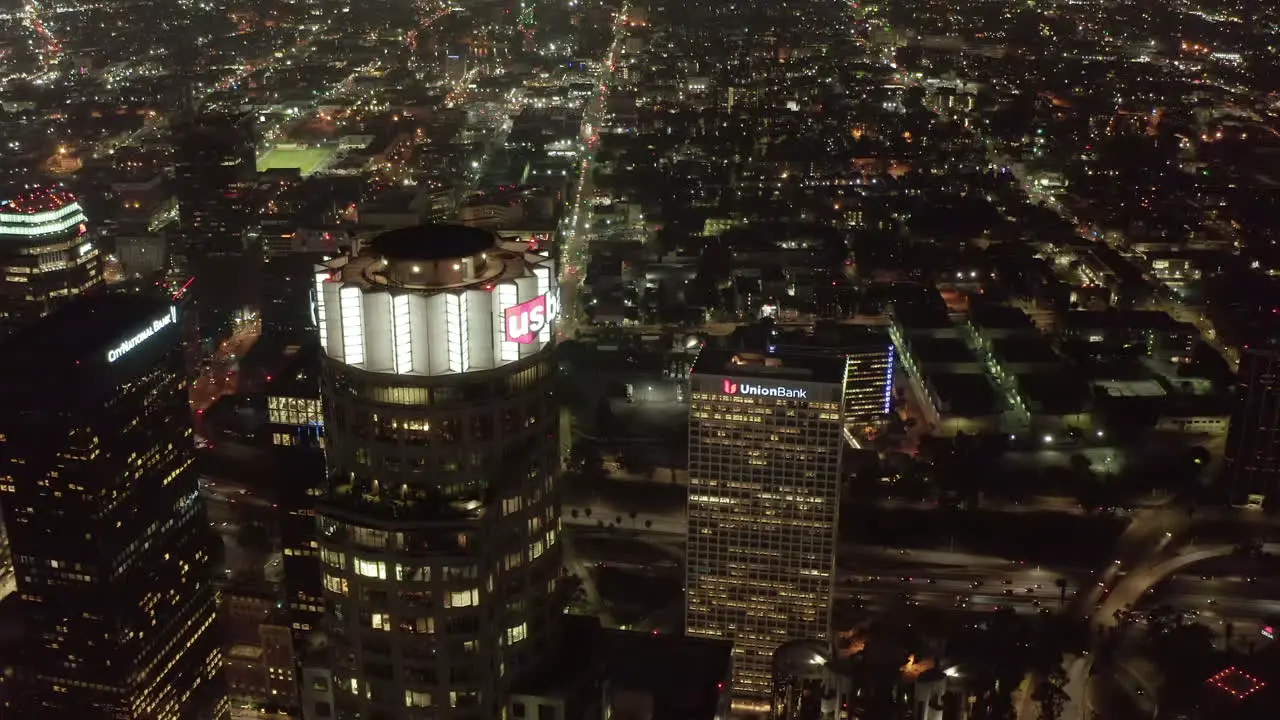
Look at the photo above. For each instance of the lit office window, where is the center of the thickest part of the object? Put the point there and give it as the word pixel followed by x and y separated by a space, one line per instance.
pixel 413 573
pixel 418 626
pixel 463 598
pixel 335 584
pixel 371 568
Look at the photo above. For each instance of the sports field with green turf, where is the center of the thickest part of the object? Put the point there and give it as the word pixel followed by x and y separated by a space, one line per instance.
pixel 306 160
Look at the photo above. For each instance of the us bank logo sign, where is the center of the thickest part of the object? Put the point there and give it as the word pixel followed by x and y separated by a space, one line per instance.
pixel 523 322
pixel 156 326
pixel 777 391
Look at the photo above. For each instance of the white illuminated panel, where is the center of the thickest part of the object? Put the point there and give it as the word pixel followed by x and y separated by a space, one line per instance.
pixel 40 218
pixel 352 301
pixel 401 334
pixel 455 331
pixel 481 351
pixel 429 333
pixel 42 223
pixel 464 311
pixel 318 309
pixel 507 297
pixel 332 338
pixel 543 275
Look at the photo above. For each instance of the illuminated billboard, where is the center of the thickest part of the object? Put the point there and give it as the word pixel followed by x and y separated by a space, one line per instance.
pixel 525 321
pixel 777 391
pixel 481 327
pixel 145 334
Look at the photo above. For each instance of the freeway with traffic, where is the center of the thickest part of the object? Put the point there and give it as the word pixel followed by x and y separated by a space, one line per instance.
pixel 1151 556
pixel 871 578
pixel 1152 564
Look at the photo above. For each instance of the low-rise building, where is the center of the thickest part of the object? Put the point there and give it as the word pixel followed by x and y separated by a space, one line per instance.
pixel 260 663
pixel 1151 333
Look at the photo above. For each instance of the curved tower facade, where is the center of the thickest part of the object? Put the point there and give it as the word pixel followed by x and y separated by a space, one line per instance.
pixel 439 523
pixel 47 254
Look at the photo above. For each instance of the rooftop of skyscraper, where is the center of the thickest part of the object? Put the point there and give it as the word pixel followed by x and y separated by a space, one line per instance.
pixel 790 366
pixel 34 199
pixel 822 338
pixel 40 210
pixel 433 257
pixel 432 242
pixel 91 326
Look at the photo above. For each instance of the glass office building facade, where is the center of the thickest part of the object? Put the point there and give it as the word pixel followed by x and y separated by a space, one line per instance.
pixel 110 542
pixel 765 442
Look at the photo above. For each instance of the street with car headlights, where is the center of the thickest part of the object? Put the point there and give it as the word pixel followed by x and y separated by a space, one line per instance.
pixel 575 239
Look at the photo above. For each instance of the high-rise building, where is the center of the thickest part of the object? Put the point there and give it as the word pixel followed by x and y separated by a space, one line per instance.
pixel 1251 459
pixel 439 523
pixel 109 537
pixel 286 299
pixel 765 441
pixel 215 167
pixel 47 254
pixel 295 430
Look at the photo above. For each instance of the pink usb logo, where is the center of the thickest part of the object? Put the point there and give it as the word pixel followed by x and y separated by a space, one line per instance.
pixel 730 387
pixel 524 321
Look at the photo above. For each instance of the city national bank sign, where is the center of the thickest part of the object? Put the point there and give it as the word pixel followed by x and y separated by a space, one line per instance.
pixel 156 326
pixel 776 391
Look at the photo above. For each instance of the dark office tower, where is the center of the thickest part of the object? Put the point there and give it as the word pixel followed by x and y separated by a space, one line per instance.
pixel 214 173
pixel 295 431
pixel 286 296
pixel 1251 460
pixel 439 524
pixel 765 440
pixel 46 252
pixel 109 538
